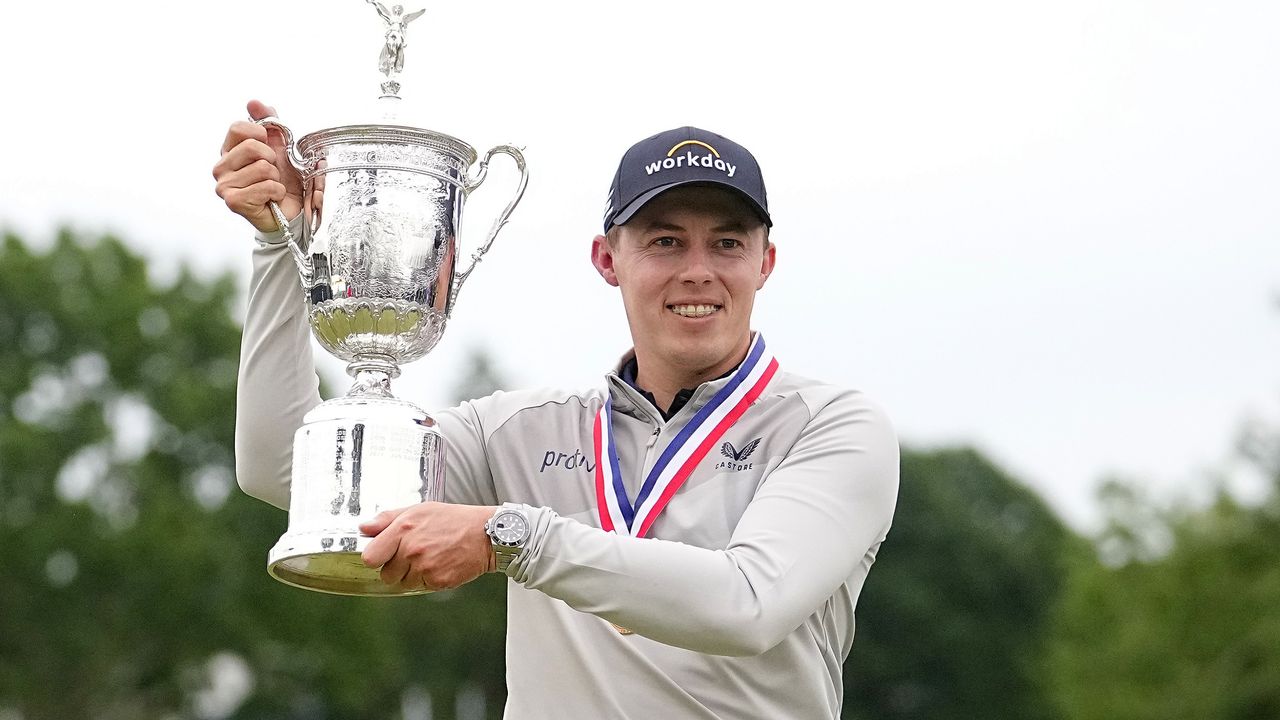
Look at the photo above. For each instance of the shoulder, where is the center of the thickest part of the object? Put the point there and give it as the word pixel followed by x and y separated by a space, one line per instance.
pixel 833 417
pixel 819 396
pixel 501 407
pixel 844 434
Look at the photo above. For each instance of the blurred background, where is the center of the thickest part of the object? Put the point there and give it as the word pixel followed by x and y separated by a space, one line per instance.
pixel 1043 235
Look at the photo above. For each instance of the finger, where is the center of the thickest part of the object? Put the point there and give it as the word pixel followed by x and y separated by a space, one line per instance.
pixel 275 137
pixel 248 188
pixel 242 130
pixel 244 153
pixel 258 109
pixel 419 580
pixel 381 550
pixel 379 522
pixel 387 543
pixel 252 201
pixel 395 570
pixel 317 186
pixel 259 170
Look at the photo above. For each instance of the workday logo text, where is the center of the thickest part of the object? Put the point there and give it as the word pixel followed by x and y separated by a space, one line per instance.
pixel 689 158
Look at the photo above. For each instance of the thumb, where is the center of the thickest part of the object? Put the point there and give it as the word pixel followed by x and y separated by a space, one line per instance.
pixel 275 139
pixel 288 171
pixel 380 521
pixel 258 109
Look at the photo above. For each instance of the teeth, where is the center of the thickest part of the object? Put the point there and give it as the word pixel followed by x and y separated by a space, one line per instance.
pixel 693 311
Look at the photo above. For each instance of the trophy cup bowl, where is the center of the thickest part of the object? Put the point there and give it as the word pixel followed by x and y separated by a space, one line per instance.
pixel 380 280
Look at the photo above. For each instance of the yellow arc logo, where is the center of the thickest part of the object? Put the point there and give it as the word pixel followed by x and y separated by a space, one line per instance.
pixel 673 150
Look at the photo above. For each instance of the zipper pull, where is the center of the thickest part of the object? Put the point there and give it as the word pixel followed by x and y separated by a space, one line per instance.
pixel 653 438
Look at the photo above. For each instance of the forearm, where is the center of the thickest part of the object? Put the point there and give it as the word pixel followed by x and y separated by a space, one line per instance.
pixel 815 524
pixel 710 601
pixel 277 382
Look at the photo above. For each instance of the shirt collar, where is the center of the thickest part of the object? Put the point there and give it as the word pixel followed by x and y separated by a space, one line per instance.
pixel 632 399
pixel 628 373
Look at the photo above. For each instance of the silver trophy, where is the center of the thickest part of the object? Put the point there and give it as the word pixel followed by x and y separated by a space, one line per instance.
pixel 380 278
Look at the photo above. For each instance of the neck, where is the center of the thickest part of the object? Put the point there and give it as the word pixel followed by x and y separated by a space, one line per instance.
pixel 663 378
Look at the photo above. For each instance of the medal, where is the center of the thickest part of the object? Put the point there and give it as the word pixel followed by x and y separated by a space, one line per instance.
pixel 682 455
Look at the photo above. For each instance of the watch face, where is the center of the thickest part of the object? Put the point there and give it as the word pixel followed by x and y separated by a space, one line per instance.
pixel 510 527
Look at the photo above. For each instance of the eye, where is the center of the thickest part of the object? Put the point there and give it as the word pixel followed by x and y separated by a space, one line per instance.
pixel 729 243
pixel 665 241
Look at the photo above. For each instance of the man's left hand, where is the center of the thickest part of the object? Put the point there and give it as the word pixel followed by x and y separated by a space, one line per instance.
pixel 432 544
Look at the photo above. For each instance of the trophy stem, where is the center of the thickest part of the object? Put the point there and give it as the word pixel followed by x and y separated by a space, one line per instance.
pixel 372 375
pixel 389 102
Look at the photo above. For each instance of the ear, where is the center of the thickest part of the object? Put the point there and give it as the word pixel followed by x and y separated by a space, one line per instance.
pixel 766 264
pixel 602 258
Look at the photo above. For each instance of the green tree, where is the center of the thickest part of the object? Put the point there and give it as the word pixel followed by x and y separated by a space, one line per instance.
pixel 1178 613
pixel 134 579
pixel 953 621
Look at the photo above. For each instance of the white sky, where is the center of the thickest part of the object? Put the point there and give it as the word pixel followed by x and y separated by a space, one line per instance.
pixel 1047 228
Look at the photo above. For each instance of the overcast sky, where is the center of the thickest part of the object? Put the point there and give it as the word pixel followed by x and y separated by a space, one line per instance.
pixel 1051 229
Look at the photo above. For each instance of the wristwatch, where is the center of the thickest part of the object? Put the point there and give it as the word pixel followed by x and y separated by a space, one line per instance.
pixel 508 530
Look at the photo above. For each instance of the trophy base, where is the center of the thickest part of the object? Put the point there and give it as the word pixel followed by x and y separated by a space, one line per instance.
pixel 353 458
pixel 330 563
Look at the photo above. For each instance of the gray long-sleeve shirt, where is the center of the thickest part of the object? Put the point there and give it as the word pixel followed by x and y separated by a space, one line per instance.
pixel 742 596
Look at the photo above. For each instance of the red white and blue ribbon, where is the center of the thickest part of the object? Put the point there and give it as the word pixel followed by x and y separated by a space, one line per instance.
pixel 682 454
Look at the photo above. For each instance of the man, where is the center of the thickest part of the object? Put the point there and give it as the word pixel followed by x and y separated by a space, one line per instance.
pixel 689 538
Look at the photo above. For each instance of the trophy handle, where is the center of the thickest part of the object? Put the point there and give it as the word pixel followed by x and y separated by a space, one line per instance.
pixel 299 255
pixel 474 183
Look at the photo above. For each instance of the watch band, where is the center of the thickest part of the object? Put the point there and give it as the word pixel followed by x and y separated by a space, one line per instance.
pixel 505 556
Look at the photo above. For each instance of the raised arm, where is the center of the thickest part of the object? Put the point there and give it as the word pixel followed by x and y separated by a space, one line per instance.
pixel 277 381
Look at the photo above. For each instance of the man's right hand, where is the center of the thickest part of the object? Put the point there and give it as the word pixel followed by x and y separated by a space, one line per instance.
pixel 255 169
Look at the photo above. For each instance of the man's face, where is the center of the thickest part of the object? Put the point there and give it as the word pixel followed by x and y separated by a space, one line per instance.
pixel 689 264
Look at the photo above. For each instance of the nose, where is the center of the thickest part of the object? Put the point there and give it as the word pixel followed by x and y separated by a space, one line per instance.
pixel 697 267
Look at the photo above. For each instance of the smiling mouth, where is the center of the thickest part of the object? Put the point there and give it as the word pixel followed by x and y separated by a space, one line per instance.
pixel 694 311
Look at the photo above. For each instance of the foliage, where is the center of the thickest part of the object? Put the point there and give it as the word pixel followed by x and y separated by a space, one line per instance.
pixel 1188 629
pixel 953 620
pixel 134 582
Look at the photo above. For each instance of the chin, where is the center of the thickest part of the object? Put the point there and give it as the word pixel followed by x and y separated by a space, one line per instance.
pixel 699 353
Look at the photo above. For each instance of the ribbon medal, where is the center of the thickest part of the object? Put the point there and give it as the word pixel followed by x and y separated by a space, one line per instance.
pixel 682 455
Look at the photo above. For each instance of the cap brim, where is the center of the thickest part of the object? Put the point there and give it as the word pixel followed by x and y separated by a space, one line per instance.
pixel 631 208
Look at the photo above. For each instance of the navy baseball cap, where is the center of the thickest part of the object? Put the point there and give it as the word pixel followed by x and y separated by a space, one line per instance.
pixel 684 156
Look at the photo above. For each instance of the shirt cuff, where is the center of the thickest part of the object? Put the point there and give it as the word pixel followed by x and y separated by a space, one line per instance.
pixel 540 519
